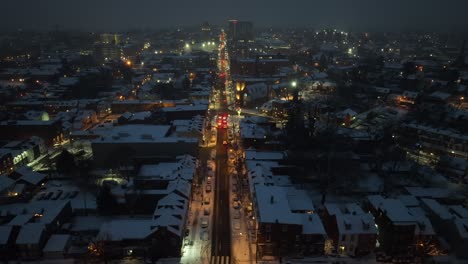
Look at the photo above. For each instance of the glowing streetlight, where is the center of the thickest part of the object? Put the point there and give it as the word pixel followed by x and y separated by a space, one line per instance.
pixel 294 84
pixel 187 46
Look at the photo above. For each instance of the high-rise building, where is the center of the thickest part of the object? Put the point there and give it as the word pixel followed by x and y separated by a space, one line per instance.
pixel 241 31
pixel 206 31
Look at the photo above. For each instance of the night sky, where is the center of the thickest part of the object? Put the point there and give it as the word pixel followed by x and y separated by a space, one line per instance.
pixel 132 14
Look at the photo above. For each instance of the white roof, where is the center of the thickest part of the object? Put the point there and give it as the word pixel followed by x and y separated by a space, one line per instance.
pixel 30 176
pixel 5 232
pixel 437 208
pixel 172 222
pixel 87 223
pixel 125 229
pixel 273 207
pixel 30 233
pixel 252 154
pixel 355 224
pixel 298 200
pixel 429 192
pixel 311 224
pixel 57 243
pixel 6 183
pixel 20 220
pixel 395 210
pixel 424 225
pixel 462 227
pixel 459 210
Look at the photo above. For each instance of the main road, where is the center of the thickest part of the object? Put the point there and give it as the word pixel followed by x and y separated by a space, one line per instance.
pixel 221 239
pixel 221 236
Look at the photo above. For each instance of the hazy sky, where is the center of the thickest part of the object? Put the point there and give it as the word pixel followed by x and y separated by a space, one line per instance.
pixel 129 14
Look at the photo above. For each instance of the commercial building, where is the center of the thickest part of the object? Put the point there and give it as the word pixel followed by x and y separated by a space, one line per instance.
pixel 139 143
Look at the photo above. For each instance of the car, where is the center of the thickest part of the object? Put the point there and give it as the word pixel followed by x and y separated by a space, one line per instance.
pixel 207 200
pixel 235 198
pixel 208 188
pixel 236 205
pixel 224 142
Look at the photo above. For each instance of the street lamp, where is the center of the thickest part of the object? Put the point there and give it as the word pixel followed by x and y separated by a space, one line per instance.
pixel 294 84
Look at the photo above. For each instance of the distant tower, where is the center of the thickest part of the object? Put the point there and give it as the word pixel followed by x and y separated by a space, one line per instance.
pixel 206 31
pixel 241 31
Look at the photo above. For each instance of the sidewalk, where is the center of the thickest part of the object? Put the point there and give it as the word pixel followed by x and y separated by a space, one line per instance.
pixel 197 246
pixel 242 250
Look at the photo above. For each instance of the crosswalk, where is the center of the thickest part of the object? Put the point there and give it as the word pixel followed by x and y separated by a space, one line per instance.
pixel 220 260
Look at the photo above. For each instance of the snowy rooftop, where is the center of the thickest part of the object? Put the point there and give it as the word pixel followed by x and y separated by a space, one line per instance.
pixel 429 192
pixel 5 232
pixel 437 208
pixel 87 223
pixel 168 171
pixel 395 210
pixel 424 225
pixel 48 209
pixel 20 220
pixel 30 233
pixel 252 154
pixel 125 229
pixel 5 183
pixel 462 227
pixel 311 224
pixel 298 200
pixel 30 176
pixel 459 210
pixel 273 207
pixel 138 134
pixel 57 243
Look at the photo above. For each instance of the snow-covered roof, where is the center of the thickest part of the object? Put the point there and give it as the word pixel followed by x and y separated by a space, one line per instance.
pixel 462 227
pixel 432 192
pixel 170 220
pixel 312 224
pixel 459 210
pixel 298 200
pixel 437 209
pixel 5 183
pixel 424 225
pixel 20 220
pixel 57 243
pixel 252 154
pixel 395 210
pixel 125 229
pixel 5 233
pixel 273 207
pixel 87 223
pixel 30 233
pixel 49 210
pixel 30 176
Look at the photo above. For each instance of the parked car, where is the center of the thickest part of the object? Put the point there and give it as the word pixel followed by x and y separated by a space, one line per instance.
pixel 208 188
